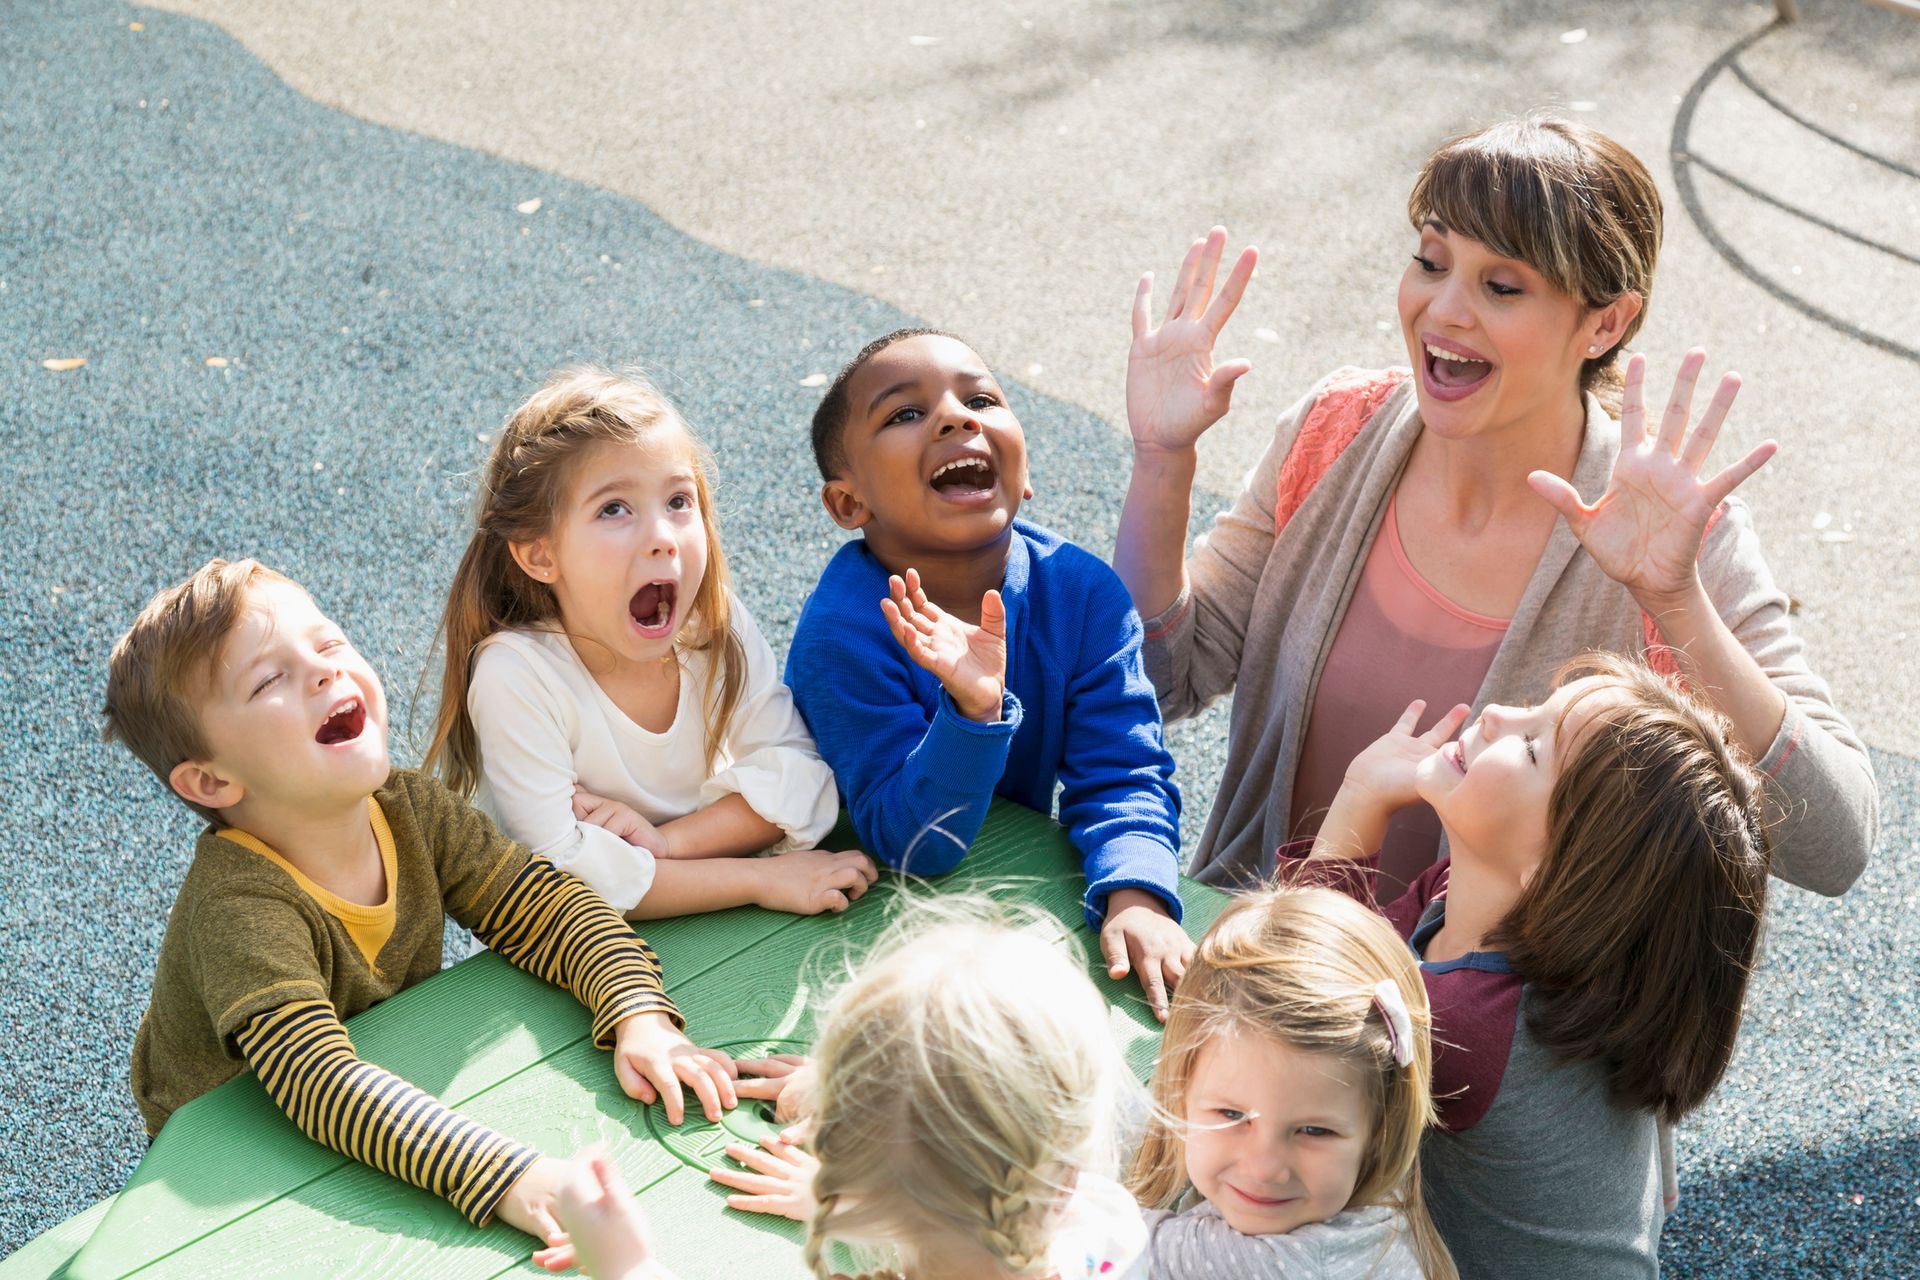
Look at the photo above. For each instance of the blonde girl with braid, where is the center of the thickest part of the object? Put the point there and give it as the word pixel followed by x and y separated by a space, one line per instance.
pixel 1291 1095
pixel 963 1119
pixel 607 698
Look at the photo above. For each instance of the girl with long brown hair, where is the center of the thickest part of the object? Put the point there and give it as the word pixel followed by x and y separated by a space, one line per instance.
pixel 1586 947
pixel 607 698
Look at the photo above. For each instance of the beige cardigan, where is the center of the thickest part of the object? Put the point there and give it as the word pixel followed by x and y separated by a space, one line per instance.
pixel 1260 612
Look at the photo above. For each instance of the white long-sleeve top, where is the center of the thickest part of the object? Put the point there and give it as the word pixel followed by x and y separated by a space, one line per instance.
pixel 544 725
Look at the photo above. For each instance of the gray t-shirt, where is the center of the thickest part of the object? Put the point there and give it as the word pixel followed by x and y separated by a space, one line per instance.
pixel 1197 1244
pixel 1556 1179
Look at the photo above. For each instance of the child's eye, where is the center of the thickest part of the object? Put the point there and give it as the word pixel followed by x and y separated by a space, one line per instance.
pixel 1532 756
pixel 614 508
pixel 680 502
pixel 262 686
pixel 1427 265
pixel 906 413
pixel 981 401
pixel 1316 1131
pixel 1230 1115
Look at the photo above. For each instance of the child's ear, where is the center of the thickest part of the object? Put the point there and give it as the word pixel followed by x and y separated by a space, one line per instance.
pixel 843 504
pixel 535 560
pixel 198 782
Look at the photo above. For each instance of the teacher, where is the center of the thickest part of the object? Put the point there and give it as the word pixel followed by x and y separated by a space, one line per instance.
pixel 1421 534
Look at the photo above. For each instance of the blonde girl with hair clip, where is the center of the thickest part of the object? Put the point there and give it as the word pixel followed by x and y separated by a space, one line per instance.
pixel 607 698
pixel 963 1117
pixel 1291 1096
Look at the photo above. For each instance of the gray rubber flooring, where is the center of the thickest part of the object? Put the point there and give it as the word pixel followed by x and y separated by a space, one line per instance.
pixel 380 304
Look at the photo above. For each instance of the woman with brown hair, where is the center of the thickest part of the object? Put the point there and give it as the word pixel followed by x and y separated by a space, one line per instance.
pixel 1585 947
pixel 1403 536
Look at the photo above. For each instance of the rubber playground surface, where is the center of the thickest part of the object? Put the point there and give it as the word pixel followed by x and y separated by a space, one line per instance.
pixel 301 256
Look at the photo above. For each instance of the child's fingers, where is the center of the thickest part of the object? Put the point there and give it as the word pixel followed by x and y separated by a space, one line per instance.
pixel 777 1205
pixel 772 1161
pixel 633 1080
pixel 611 1183
pixel 794 1134
pixel 1155 986
pixel 695 1073
pixel 833 902
pixel 1410 717
pixel 727 1064
pixel 993 615
pixel 1113 949
pixel 660 1073
pixel 751 1183
pixel 775 1068
pixel 764 1089
pixel 556 1259
pixel 1446 726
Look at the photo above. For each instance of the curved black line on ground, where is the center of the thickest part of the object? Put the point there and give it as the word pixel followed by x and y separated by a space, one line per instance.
pixel 1741 184
pixel 1759 91
pixel 1683 180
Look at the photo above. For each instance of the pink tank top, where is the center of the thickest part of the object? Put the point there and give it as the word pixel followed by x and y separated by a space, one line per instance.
pixel 1400 640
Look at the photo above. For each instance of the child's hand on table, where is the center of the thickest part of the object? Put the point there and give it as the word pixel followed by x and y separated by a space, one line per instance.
pixel 611 815
pixel 787 1079
pixel 596 1226
pixel 969 661
pixel 1140 937
pixel 778 1178
pixel 1380 782
pixel 652 1058
pixel 806 882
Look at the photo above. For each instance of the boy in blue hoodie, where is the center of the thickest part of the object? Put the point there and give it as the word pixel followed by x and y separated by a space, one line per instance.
pixel 953 652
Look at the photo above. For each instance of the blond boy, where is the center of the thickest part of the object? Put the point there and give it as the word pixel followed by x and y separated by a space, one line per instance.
pixel 320 889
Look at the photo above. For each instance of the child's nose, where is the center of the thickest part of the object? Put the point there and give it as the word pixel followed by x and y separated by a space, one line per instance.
pixel 959 418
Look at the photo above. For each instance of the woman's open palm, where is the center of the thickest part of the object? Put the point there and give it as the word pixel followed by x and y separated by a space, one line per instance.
pixel 1644 532
pixel 1174 389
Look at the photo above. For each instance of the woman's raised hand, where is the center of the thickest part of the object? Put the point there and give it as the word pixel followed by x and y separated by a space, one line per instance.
pixel 1644 532
pixel 1174 389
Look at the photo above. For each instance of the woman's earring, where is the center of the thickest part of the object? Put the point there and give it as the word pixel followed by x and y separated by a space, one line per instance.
pixel 1593 351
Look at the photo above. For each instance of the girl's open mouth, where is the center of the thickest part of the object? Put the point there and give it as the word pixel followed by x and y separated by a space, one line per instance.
pixel 343 724
pixel 968 478
pixel 1456 755
pixel 1451 374
pixel 652 609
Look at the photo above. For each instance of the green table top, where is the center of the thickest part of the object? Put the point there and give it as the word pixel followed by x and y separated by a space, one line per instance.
pixel 231 1188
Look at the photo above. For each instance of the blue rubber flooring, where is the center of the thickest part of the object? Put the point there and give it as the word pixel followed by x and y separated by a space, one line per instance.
pixel 380 306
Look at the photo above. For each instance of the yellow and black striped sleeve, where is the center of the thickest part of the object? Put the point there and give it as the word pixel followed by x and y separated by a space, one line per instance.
pixel 303 1057
pixel 555 927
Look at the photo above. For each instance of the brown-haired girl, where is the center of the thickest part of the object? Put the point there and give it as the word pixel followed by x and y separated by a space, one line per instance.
pixel 1585 946
pixel 1292 1091
pixel 1403 535
pixel 607 699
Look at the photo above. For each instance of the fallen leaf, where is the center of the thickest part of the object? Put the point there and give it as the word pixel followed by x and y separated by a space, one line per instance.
pixel 756 302
pixel 136 26
pixel 922 41
pixel 1822 520
pixel 1266 335
pixel 529 206
pixel 1574 36
pixel 1384 326
pixel 814 380
pixel 216 362
pixel 1034 370
pixel 1836 535
pixel 63 365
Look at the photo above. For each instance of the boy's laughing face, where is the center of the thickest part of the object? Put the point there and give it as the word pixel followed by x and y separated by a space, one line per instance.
pixel 936 462
pixel 294 717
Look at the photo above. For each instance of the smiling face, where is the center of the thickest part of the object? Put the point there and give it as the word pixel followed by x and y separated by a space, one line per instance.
pixel 935 459
pixel 294 717
pixel 628 549
pixel 1495 346
pixel 1492 785
pixel 1277 1134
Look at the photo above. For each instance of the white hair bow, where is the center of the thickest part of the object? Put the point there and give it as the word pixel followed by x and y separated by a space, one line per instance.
pixel 1393 1008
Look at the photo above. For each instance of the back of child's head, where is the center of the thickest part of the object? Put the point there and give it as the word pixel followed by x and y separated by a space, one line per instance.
pixel 1639 929
pixel 161 672
pixel 1305 966
pixel 1565 199
pixel 830 419
pixel 536 459
pixel 967 1074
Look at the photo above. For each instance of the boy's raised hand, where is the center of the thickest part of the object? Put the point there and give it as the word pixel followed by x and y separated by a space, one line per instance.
pixel 1140 937
pixel 1174 389
pixel 652 1058
pixel 969 661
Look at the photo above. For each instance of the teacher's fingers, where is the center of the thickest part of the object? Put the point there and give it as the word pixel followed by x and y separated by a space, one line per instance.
pixel 1177 300
pixel 1143 306
pixel 1700 443
pixel 1219 396
pixel 1200 288
pixel 1559 495
pixel 1633 403
pixel 1673 423
pixel 1734 476
pixel 1230 293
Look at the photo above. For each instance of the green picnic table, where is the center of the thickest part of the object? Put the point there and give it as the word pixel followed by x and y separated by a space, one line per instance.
pixel 231 1188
